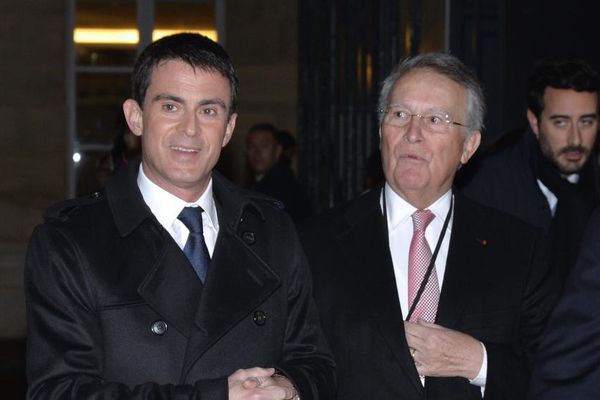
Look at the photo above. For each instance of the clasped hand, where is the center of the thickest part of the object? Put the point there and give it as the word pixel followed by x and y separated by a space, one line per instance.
pixel 260 384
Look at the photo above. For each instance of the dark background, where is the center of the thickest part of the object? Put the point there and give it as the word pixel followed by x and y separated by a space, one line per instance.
pixel 500 40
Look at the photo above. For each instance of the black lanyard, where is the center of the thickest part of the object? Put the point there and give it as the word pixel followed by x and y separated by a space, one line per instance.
pixel 433 256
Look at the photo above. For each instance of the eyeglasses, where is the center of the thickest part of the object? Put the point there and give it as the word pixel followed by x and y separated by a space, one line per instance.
pixel 432 121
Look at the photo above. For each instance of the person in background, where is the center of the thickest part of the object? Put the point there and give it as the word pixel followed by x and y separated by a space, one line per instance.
pixel 173 283
pixel 126 146
pixel 288 147
pixel 547 175
pixel 271 171
pixel 423 293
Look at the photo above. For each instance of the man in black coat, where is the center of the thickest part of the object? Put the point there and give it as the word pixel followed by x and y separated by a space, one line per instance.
pixel 173 283
pixel 547 175
pixel 271 171
pixel 452 310
pixel 567 364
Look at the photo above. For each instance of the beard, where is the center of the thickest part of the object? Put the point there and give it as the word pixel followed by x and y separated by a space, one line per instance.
pixel 563 165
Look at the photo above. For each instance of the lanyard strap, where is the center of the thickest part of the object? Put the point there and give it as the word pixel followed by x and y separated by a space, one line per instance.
pixel 433 257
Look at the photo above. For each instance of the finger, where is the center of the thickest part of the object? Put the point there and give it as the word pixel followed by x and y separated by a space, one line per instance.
pixel 290 393
pixel 421 369
pixel 408 326
pixel 243 374
pixel 410 331
pixel 258 381
pixel 414 343
pixel 426 324
pixel 414 329
pixel 251 383
pixel 258 371
pixel 413 352
pixel 273 393
pixel 415 339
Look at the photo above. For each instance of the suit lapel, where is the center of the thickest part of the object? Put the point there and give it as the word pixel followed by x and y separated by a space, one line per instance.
pixel 466 254
pixel 369 259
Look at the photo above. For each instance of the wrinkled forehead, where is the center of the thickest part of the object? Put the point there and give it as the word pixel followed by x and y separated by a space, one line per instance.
pixel 424 89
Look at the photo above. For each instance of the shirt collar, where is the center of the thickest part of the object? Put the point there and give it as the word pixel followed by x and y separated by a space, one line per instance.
pixel 166 206
pixel 398 209
pixel 573 178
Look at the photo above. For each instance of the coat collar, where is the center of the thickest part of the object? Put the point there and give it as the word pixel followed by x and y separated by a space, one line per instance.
pixel 129 209
pixel 125 199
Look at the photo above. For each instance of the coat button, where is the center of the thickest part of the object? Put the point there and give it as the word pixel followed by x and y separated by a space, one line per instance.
pixel 248 237
pixel 159 327
pixel 259 317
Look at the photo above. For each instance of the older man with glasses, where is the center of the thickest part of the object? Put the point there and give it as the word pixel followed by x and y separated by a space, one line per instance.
pixel 422 292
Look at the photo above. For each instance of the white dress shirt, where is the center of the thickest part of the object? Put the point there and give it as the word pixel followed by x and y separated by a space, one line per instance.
pixel 400 231
pixel 166 208
pixel 551 197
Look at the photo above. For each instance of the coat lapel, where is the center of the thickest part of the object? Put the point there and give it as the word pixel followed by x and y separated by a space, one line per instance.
pixel 170 287
pixel 466 254
pixel 238 280
pixel 369 258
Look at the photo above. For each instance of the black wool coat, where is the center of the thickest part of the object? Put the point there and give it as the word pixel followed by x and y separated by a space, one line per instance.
pixel 115 310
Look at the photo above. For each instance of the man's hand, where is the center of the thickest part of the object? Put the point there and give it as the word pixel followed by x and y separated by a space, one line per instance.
pixel 438 351
pixel 260 384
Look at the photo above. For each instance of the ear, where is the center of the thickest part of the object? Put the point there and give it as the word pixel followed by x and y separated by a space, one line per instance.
pixel 134 116
pixel 229 129
pixel 533 122
pixel 278 151
pixel 470 146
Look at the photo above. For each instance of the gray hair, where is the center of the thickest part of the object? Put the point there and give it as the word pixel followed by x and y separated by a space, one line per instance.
pixel 448 66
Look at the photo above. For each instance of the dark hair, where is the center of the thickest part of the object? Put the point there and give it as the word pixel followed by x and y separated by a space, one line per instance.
pixel 572 74
pixel 264 126
pixel 450 67
pixel 196 50
pixel 286 140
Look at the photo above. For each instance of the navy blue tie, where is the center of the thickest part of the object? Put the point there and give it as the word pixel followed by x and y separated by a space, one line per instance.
pixel 195 247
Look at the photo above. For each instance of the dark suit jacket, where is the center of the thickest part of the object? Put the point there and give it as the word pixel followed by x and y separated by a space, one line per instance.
pixel 281 184
pixel 104 280
pixel 496 288
pixel 568 361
